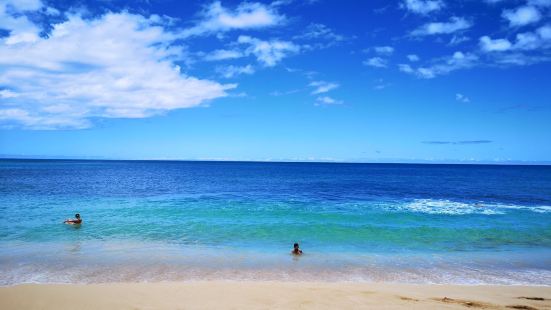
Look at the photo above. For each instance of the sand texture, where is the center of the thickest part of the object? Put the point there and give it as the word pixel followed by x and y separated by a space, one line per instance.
pixel 271 295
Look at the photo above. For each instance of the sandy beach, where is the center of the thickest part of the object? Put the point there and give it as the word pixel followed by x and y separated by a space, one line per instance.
pixel 272 295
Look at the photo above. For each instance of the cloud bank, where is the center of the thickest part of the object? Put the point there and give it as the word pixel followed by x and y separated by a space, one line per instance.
pixel 118 65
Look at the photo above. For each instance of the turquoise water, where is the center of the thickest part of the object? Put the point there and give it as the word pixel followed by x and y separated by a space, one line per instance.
pixel 155 221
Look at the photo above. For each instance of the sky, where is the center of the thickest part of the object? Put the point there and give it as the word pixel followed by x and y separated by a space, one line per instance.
pixel 283 80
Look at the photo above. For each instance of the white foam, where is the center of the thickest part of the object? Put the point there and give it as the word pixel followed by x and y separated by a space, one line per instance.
pixel 373 273
pixel 444 206
pixel 542 209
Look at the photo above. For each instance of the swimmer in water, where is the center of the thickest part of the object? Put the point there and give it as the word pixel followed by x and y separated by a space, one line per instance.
pixel 296 250
pixel 77 220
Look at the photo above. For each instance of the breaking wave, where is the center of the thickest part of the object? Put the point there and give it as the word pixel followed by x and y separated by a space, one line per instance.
pixel 443 206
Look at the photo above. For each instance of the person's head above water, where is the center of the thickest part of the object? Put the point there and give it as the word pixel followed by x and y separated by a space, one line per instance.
pixel 76 220
pixel 296 249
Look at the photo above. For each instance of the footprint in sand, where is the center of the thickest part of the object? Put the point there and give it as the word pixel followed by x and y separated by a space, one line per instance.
pixel 523 307
pixel 532 298
pixel 466 303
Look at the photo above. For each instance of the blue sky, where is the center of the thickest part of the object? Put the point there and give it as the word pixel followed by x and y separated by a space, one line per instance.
pixel 366 81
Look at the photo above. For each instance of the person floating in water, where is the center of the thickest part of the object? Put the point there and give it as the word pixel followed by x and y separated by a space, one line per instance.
pixel 296 250
pixel 77 220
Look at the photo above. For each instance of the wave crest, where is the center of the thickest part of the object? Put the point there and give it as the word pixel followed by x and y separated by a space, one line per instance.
pixel 444 206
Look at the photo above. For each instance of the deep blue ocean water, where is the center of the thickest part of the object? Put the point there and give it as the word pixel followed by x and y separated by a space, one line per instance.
pixel 178 220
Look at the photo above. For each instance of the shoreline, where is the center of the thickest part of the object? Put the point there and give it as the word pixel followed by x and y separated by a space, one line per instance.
pixel 284 282
pixel 272 294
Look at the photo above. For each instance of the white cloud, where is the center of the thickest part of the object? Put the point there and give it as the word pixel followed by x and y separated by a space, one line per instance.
pixel 21 28
pixel 413 57
pixel 52 11
pixel 545 32
pixel 316 31
pixel 41 121
pixel 379 62
pixel 23 5
pixel 455 24
pixel 528 48
pixel 380 84
pixel 376 62
pixel 462 98
pixel 490 45
pixel 442 66
pixel 284 93
pixel 322 87
pixel 248 15
pixel 319 36
pixel 327 100
pixel 521 16
pixel 384 50
pixel 231 71
pixel 423 6
pixel 288 2
pixel 269 53
pixel 223 55
pixel 540 3
pixel 5 93
pixel 457 39
pixel 519 59
pixel 114 66
pixel 405 68
pixel 538 39
pixel 527 41
pixel 541 38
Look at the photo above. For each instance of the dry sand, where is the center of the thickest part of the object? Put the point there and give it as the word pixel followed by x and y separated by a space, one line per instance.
pixel 271 295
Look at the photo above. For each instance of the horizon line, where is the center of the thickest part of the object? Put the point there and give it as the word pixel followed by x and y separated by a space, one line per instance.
pixel 313 161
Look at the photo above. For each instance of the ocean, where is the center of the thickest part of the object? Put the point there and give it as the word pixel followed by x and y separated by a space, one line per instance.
pixel 191 220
